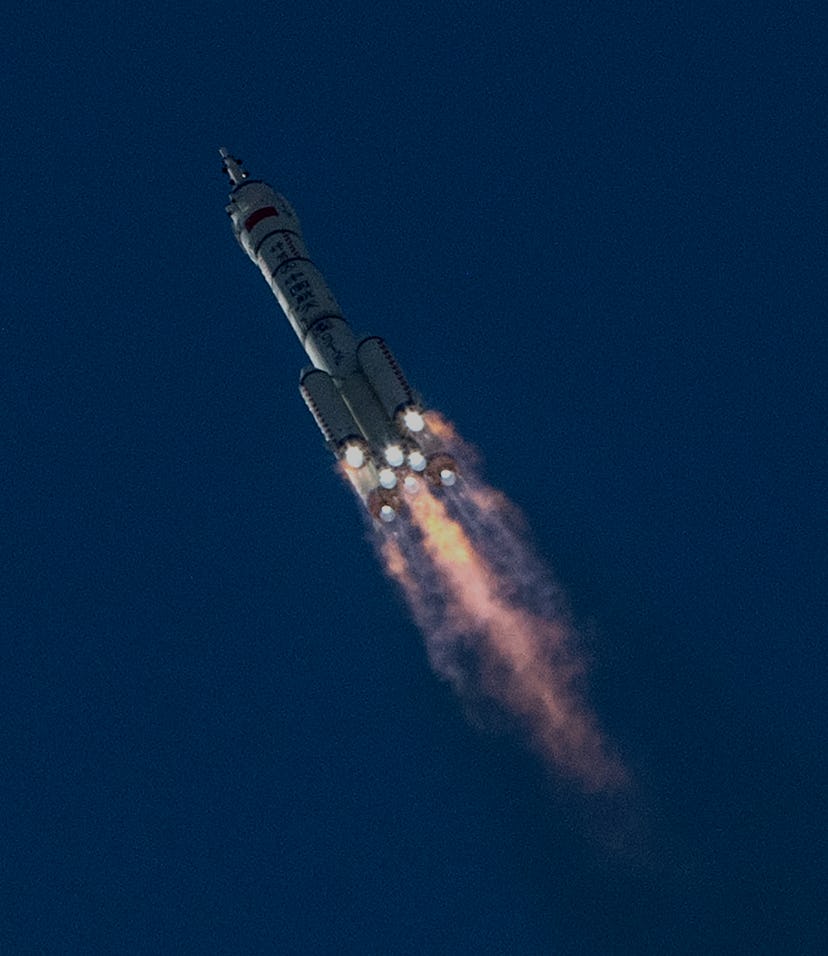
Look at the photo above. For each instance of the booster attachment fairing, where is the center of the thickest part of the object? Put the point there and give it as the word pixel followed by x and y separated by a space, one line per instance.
pixel 370 416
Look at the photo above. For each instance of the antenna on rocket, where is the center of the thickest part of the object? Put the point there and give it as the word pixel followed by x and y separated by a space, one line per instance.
pixel 233 167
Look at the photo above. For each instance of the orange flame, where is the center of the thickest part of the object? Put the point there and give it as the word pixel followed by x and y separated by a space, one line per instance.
pixel 493 619
pixel 527 663
pixel 439 426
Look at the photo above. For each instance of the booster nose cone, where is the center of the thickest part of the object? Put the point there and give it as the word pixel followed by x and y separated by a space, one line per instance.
pixel 233 167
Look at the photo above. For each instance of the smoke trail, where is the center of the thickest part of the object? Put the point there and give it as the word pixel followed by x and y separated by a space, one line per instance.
pixel 495 622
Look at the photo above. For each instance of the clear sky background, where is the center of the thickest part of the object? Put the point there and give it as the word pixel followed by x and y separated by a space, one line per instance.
pixel 592 235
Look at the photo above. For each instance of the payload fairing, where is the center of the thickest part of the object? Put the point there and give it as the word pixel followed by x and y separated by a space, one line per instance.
pixel 370 416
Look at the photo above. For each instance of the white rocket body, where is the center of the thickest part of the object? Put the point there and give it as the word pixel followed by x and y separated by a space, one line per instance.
pixel 356 391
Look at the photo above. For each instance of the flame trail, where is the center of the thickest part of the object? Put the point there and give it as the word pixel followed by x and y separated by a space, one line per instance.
pixel 495 622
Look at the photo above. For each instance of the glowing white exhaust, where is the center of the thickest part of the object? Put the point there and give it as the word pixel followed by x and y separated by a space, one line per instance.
pixel 354 456
pixel 414 421
pixel 394 456
pixel 387 478
pixel 417 460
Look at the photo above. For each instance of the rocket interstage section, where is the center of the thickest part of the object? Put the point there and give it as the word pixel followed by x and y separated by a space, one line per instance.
pixel 371 418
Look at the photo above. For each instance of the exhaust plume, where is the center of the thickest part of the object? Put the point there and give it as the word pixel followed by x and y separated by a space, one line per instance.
pixel 495 622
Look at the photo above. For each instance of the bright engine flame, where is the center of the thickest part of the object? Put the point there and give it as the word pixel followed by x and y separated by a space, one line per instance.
pixel 417 460
pixel 387 478
pixel 413 420
pixel 394 455
pixel 354 456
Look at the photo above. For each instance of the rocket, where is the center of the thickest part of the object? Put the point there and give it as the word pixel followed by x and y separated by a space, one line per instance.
pixel 370 417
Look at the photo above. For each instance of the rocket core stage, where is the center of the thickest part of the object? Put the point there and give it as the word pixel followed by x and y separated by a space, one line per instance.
pixel 371 418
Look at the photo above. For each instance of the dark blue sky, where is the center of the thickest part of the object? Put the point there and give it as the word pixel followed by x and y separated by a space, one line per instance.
pixel 591 236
